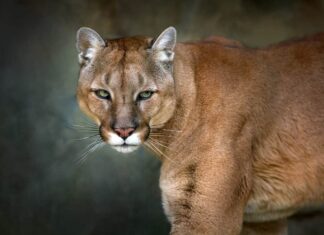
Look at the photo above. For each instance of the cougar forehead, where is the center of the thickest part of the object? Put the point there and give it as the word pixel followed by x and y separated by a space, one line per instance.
pixel 125 51
pixel 125 64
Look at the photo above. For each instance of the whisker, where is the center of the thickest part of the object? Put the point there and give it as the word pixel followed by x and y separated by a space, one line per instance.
pixel 171 130
pixel 92 144
pixel 90 148
pixel 85 132
pixel 85 120
pixel 149 146
pixel 94 148
pixel 156 125
pixel 90 130
pixel 84 157
pixel 163 144
pixel 156 134
pixel 87 137
pixel 161 153
pixel 163 129
pixel 158 131
pixel 159 135
pixel 85 127
pixel 159 124
pixel 88 123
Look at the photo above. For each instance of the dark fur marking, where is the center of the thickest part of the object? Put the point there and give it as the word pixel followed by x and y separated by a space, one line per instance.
pixel 122 47
pixel 180 218
pixel 100 133
pixel 190 187
pixel 141 80
pixel 184 206
pixel 242 188
pixel 191 169
pixel 106 79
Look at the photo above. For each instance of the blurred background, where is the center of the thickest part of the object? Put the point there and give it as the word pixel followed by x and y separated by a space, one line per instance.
pixel 44 190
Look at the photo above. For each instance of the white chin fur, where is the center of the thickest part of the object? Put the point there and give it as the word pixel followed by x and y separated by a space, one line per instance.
pixel 132 142
pixel 125 148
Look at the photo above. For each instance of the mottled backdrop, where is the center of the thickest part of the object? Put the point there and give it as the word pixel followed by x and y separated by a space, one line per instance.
pixel 43 191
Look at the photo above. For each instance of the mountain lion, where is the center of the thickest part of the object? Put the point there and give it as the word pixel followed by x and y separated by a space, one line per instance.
pixel 240 131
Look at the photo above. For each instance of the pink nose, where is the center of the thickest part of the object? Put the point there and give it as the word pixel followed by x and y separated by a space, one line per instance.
pixel 124 132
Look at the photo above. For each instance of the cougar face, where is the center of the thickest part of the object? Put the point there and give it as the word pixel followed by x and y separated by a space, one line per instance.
pixel 126 85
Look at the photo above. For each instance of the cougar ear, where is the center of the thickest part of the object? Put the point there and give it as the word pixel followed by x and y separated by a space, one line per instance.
pixel 165 43
pixel 88 42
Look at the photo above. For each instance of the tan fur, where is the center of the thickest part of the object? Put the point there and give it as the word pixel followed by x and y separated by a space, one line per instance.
pixel 240 130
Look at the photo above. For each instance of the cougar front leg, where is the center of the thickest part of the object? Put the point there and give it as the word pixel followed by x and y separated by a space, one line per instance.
pixel 205 197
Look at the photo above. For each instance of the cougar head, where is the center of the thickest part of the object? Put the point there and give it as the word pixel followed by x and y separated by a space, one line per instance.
pixel 126 85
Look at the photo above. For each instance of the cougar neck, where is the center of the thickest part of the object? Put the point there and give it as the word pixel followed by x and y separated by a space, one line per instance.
pixel 186 113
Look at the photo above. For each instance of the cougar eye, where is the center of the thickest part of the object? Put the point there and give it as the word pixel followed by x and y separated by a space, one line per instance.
pixel 145 95
pixel 102 94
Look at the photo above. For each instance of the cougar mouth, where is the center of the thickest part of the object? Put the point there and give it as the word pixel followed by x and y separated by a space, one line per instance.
pixel 124 142
pixel 125 148
pixel 127 145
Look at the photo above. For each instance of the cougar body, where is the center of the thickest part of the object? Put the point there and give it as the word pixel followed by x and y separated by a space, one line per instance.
pixel 239 131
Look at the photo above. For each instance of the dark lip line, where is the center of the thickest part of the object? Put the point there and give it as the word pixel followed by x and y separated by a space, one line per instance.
pixel 125 145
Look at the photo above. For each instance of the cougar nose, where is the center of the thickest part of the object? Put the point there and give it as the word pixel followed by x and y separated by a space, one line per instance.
pixel 124 132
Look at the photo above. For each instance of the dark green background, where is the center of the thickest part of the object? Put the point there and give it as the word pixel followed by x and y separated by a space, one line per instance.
pixel 42 190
